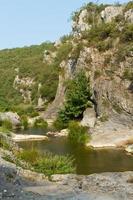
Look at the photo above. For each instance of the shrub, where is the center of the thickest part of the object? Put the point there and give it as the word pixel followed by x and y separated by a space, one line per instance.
pixel 59 124
pixel 77 133
pixel 40 123
pixel 97 74
pixel 7 125
pixel 123 51
pixel 127 33
pixel 4 144
pixel 24 109
pixel 63 52
pixel 128 74
pixel 24 121
pixel 128 6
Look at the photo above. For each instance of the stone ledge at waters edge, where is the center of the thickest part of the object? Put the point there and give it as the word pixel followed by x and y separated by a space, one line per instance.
pixel 21 137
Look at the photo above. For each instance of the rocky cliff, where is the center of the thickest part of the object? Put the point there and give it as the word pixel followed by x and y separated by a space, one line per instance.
pixel 102 45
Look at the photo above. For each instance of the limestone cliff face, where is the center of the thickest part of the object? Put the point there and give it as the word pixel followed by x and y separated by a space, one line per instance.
pixel 112 92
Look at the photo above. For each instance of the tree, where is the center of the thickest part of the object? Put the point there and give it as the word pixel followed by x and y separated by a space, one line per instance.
pixel 77 98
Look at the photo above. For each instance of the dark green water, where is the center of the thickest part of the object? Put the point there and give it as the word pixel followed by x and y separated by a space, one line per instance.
pixel 87 161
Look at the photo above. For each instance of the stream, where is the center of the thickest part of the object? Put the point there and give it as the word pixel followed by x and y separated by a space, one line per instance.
pixel 87 161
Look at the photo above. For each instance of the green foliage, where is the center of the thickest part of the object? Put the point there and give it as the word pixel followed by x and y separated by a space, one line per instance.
pixel 54 164
pixel 66 38
pixel 76 51
pixel 47 163
pixel 92 8
pixel 77 133
pixel 24 121
pixel 127 33
pixel 29 60
pixel 6 125
pixel 63 52
pixel 59 124
pixel 128 6
pixel 101 32
pixel 123 51
pixel 40 123
pixel 24 109
pixel 28 156
pixel 4 144
pixel 128 74
pixel 77 98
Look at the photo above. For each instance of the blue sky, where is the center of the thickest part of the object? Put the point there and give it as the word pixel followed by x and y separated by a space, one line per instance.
pixel 26 22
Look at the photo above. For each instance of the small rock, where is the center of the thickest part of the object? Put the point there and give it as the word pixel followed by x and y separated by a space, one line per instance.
pixel 129 148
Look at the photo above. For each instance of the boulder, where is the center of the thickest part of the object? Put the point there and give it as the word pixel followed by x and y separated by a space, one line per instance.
pixel 129 148
pixel 12 117
pixel 89 118
pixel 62 133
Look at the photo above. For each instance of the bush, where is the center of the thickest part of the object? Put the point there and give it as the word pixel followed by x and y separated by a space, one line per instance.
pixel 127 33
pixel 59 124
pixel 24 121
pixel 7 125
pixel 63 52
pixel 40 123
pixel 4 144
pixel 101 32
pixel 77 133
pixel 129 6
pixel 128 74
pixel 97 74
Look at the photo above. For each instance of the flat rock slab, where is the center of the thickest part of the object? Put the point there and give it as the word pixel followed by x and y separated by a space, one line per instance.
pixel 111 139
pixel 21 137
pixel 53 190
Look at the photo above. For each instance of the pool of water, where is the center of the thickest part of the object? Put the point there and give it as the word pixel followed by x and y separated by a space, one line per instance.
pixel 87 160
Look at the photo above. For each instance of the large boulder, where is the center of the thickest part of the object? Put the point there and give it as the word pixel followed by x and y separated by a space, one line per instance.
pixel 89 118
pixel 12 117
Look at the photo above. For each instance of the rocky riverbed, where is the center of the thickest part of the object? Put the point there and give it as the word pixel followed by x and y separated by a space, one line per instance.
pixel 17 183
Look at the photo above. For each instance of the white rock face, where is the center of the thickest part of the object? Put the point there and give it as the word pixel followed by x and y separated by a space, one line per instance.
pixel 81 25
pixel 111 12
pixel 12 117
pixel 40 102
pixel 48 57
pixel 89 118
pixel 129 16
pixel 23 85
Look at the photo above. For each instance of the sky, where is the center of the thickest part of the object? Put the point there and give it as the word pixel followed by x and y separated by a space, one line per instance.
pixel 27 22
